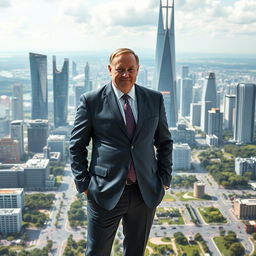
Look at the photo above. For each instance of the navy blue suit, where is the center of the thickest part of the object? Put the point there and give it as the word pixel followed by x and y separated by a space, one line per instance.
pixel 99 119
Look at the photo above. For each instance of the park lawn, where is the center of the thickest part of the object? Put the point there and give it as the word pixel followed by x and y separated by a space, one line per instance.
pixel 179 222
pixel 168 198
pixel 206 218
pixel 171 222
pixel 180 195
pixel 156 247
pixel 188 249
pixel 219 241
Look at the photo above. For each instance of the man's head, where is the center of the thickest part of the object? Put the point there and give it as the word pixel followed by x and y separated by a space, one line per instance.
pixel 123 68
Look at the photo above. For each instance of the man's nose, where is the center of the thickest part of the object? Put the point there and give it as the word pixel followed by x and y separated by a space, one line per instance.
pixel 125 73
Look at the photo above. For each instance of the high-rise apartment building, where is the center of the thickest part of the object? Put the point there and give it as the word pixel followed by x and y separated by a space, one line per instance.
pixel 17 133
pixel 17 102
pixel 209 100
pixel 165 71
pixel 60 93
pixel 37 135
pixel 245 112
pixel 229 111
pixel 38 70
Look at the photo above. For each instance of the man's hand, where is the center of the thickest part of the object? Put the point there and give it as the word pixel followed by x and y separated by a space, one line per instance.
pixel 86 192
pixel 166 187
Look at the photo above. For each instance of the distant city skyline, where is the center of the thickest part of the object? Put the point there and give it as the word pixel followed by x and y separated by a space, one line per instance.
pixel 213 26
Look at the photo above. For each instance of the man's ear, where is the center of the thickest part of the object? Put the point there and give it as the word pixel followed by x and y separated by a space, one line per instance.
pixel 109 69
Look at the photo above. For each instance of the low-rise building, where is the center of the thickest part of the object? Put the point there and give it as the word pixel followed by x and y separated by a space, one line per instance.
pixel 9 151
pixel 12 198
pixel 10 220
pixel 243 165
pixel 181 157
pixel 245 208
pixel 182 134
pixel 199 189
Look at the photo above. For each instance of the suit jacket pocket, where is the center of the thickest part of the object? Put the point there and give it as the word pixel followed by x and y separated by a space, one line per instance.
pixel 99 171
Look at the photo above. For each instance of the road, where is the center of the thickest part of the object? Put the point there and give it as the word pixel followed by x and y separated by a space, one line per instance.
pixel 60 234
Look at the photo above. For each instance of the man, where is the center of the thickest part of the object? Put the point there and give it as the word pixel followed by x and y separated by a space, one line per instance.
pixel 131 157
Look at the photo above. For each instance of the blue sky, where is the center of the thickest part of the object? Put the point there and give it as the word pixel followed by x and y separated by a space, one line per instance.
pixel 202 26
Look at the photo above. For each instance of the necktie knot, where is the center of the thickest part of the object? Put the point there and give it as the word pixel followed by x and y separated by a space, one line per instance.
pixel 125 97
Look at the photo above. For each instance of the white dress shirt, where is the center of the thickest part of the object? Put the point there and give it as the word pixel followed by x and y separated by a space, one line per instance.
pixel 132 101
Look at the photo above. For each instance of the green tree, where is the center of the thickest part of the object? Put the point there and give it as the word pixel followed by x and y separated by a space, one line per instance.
pixel 236 249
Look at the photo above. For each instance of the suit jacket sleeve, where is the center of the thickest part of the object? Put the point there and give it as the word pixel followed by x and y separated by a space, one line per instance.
pixel 79 141
pixel 164 145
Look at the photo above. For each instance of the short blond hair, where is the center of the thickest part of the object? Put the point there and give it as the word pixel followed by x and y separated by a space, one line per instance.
pixel 123 51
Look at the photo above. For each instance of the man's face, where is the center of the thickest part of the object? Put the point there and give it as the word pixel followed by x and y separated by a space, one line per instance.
pixel 123 70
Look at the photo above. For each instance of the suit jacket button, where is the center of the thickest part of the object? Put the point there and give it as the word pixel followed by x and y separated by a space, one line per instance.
pixel 132 147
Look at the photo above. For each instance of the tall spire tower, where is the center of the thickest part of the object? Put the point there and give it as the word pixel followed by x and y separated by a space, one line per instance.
pixel 165 71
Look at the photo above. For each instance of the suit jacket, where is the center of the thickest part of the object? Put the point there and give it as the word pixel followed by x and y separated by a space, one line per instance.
pixel 99 119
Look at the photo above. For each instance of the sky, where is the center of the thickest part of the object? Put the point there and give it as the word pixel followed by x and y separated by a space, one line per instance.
pixel 201 26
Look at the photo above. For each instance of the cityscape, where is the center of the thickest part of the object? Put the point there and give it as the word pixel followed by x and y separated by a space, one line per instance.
pixel 210 208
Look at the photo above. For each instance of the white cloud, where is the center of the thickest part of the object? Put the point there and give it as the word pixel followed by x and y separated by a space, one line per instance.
pixel 5 3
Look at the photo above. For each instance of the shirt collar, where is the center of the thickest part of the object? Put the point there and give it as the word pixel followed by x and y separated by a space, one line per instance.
pixel 119 93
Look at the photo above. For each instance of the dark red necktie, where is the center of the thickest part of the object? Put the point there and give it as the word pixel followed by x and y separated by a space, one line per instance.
pixel 131 125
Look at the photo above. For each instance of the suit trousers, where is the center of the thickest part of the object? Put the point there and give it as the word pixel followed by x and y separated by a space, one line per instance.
pixel 136 218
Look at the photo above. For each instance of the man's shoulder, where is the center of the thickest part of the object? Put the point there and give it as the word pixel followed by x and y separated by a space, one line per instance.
pixel 148 91
pixel 91 95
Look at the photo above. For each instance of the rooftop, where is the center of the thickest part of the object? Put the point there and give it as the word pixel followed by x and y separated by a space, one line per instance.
pixel 248 201
pixel 36 163
pixel 10 211
pixel 11 191
pixel 56 138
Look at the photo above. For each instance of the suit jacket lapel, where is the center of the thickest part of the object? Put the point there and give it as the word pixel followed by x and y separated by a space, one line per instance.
pixel 141 109
pixel 114 107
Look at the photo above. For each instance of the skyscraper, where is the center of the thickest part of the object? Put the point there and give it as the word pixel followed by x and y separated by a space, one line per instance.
pixel 186 96
pixel 74 71
pixel 167 102
pixel 17 133
pixel 209 100
pixel 87 85
pixel 38 70
pixel 245 111
pixel 215 123
pixel 165 71
pixel 60 93
pixel 17 102
pixel 79 90
pixel 184 71
pixel 37 135
pixel 229 111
